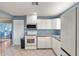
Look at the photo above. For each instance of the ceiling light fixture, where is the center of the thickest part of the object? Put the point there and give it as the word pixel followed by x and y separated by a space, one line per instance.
pixel 35 6
pixel 34 3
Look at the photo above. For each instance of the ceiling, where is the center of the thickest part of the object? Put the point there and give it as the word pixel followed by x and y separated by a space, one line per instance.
pixel 43 9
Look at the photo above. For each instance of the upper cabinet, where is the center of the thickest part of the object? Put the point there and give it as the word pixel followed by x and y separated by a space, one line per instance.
pixel 56 23
pixel 31 20
pixel 43 24
pixel 49 23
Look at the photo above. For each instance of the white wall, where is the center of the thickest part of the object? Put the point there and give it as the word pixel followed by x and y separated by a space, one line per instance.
pixel 68 31
pixel 78 31
pixel 18 31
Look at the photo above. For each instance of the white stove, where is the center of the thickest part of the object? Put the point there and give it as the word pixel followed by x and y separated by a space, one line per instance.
pixel 30 40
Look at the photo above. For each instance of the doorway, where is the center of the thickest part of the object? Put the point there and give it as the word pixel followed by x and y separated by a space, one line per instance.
pixel 5 36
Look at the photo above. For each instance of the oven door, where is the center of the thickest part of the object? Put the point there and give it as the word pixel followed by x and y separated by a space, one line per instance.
pixel 31 40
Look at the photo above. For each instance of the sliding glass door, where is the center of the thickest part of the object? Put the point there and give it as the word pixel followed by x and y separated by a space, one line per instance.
pixel 5 37
pixel 5 31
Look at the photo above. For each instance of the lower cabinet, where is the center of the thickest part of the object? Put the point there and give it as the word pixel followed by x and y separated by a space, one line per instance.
pixel 56 46
pixel 44 42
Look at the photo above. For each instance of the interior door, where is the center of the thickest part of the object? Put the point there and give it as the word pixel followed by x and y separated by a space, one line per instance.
pixel 18 31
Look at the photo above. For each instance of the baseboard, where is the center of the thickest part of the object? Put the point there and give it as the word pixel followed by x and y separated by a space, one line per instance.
pixel 43 48
pixel 30 47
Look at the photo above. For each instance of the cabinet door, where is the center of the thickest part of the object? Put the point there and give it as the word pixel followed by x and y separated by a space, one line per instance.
pixel 68 31
pixel 56 46
pixel 18 31
pixel 44 42
pixel 56 23
pixel 44 24
pixel 49 23
pixel 30 20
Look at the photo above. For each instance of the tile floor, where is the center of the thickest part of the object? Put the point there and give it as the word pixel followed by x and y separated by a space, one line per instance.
pixel 4 45
pixel 12 51
pixel 7 50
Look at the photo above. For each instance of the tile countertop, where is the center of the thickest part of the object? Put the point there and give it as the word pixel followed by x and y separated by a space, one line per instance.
pixel 57 37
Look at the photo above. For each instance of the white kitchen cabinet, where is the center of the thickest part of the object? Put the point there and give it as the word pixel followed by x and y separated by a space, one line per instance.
pixel 49 23
pixel 68 31
pixel 31 20
pixel 56 23
pixel 56 46
pixel 18 31
pixel 44 42
pixel 44 24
